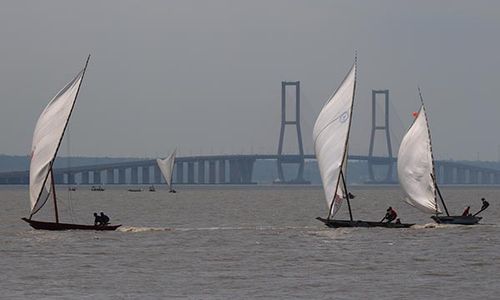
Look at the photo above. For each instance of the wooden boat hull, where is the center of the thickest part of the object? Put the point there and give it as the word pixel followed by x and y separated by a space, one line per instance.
pixel 359 223
pixel 65 226
pixel 459 220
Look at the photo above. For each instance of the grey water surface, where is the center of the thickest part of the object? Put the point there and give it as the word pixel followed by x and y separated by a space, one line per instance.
pixel 259 242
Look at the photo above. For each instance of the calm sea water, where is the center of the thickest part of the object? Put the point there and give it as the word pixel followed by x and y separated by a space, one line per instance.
pixel 247 243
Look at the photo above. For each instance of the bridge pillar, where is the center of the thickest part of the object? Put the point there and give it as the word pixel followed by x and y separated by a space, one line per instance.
pixel 491 177
pixel 211 171
pixel 246 170
pixel 460 176
pixel 71 178
pixel 97 177
pixel 190 170
pixel 294 122
pixel 180 172
pixel 85 177
pixel 384 128
pixel 156 174
pixel 448 174
pixel 473 176
pixel 438 169
pixel 201 171
pixel 58 178
pixel 134 175
pixel 110 176
pixel 222 171
pixel 234 172
pixel 145 174
pixel 485 177
pixel 121 176
pixel 496 178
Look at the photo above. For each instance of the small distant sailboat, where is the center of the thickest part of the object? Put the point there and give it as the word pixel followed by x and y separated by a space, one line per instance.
pixel 416 172
pixel 167 167
pixel 152 188
pixel 135 190
pixel 331 138
pixel 47 137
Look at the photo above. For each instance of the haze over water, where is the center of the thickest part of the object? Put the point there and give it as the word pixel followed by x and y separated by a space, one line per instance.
pixel 246 243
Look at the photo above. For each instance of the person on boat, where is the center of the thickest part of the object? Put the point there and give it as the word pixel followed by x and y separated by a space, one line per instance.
pixel 97 219
pixel 398 221
pixel 350 195
pixel 104 219
pixel 466 212
pixel 390 215
pixel 485 204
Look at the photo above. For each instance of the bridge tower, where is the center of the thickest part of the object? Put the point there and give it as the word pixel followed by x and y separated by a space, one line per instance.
pixel 299 160
pixel 372 161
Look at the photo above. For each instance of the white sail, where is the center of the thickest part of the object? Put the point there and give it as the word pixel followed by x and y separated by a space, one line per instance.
pixel 416 167
pixel 330 136
pixel 46 140
pixel 167 167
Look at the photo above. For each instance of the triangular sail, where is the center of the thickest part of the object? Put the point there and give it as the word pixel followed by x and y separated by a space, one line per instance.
pixel 167 167
pixel 47 137
pixel 330 136
pixel 416 166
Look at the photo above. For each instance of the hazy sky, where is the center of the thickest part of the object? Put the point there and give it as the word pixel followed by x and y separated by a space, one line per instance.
pixel 205 76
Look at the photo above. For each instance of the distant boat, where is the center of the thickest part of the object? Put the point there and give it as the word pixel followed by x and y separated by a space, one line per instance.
pixel 97 189
pixel 47 137
pixel 72 189
pixel 416 172
pixel 135 190
pixel 167 167
pixel 331 138
pixel 152 188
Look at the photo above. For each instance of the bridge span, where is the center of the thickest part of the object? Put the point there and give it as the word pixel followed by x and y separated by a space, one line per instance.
pixel 233 169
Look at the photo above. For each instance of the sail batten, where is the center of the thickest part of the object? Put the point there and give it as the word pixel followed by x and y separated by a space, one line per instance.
pixel 416 166
pixel 47 138
pixel 167 167
pixel 330 136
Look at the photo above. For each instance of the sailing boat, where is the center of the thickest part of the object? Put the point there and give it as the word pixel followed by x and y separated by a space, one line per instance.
pixel 167 167
pixel 331 137
pixel 416 172
pixel 47 137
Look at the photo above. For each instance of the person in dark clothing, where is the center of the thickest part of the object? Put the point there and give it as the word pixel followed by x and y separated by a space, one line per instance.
pixel 466 211
pixel 104 219
pixel 97 219
pixel 485 204
pixel 398 221
pixel 391 215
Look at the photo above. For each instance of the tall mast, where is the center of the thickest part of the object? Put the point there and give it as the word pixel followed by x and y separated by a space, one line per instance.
pixel 436 189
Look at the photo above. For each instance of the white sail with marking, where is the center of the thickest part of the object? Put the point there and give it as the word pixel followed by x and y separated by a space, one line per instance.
pixel 416 166
pixel 330 136
pixel 47 137
pixel 167 167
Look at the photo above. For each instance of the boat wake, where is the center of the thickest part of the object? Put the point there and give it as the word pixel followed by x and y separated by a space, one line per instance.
pixel 432 225
pixel 142 229
pixel 215 228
